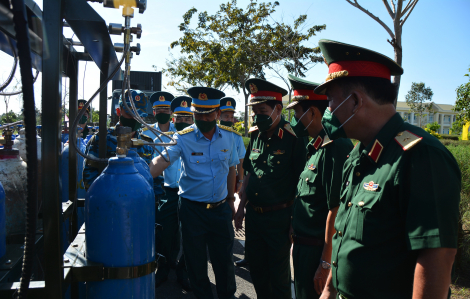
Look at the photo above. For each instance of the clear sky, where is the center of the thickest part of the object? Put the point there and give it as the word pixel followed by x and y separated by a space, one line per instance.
pixel 435 40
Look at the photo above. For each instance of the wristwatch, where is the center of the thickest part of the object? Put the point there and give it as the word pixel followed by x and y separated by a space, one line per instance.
pixel 325 265
pixel 240 181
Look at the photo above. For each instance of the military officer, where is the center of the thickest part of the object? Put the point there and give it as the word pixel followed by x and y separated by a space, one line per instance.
pixel 206 190
pixel 91 169
pixel 168 243
pixel 227 111
pixel 275 159
pixel 318 189
pixel 161 111
pixel 396 227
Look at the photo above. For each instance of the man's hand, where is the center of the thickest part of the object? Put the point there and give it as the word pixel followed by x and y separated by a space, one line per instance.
pixel 239 217
pixel 319 280
pixel 329 291
pixel 231 203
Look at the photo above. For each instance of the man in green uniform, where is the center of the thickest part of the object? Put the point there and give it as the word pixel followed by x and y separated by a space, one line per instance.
pixel 274 161
pixel 398 217
pixel 318 189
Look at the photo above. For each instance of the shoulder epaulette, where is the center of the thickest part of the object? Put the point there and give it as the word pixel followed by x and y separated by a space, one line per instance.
pixel 235 131
pixel 169 133
pixel 146 138
pixel 326 140
pixel 288 128
pixel 407 140
pixel 252 129
pixel 185 131
pixel 145 129
pixel 225 128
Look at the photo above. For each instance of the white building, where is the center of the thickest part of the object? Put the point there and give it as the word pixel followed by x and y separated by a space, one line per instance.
pixel 443 115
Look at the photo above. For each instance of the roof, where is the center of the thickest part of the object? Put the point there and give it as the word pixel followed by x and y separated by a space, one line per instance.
pixel 402 106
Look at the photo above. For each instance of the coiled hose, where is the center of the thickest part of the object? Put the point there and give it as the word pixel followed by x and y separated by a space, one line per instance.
pixel 24 53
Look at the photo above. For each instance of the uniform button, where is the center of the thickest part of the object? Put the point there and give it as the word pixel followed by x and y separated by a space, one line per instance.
pixel 306 179
pixel 264 161
pixel 358 173
pixel 296 196
pixel 197 161
pixel 361 203
pixel 278 162
pixel 334 263
pixel 349 204
pixel 347 183
pixel 259 177
pixel 214 176
pixel 256 194
pixel 267 145
pixel 212 160
pixel 177 181
pixel 179 169
pixel 340 233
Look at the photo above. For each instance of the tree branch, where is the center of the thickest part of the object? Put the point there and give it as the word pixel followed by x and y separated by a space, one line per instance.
pixel 408 14
pixel 355 4
pixel 408 6
pixel 393 6
pixel 392 14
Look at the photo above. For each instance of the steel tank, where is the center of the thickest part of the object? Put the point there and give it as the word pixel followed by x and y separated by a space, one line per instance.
pixel 120 229
pixel 20 144
pixel 13 178
pixel 3 231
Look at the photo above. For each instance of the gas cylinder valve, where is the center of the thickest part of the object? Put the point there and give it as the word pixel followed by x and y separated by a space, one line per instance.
pixel 123 141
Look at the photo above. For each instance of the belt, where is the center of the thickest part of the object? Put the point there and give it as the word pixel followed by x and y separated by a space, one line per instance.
pixel 172 189
pixel 271 208
pixel 207 205
pixel 309 241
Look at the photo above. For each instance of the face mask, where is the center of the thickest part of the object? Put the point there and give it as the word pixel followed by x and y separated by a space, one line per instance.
pixel 205 126
pixel 299 129
pixel 162 118
pixel 263 122
pixel 181 126
pixel 331 124
pixel 83 120
pixel 226 123
pixel 130 122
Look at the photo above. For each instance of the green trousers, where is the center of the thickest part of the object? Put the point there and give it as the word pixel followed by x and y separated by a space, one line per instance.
pixel 306 260
pixel 168 239
pixel 208 229
pixel 267 250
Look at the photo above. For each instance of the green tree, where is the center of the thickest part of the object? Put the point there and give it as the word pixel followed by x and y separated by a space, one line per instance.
pixel 435 126
pixel 416 98
pixel 462 103
pixel 10 117
pixel 399 11
pixel 223 49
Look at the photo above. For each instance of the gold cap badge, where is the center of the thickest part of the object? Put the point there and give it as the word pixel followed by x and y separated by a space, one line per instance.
pixel 137 98
pixel 229 103
pixel 80 106
pixel 202 97
pixel 161 99
pixel 184 104
pixel 253 88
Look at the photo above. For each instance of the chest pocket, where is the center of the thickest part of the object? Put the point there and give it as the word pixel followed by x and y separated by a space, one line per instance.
pixel 197 159
pixel 224 161
pixel 366 205
pixel 309 177
pixel 278 163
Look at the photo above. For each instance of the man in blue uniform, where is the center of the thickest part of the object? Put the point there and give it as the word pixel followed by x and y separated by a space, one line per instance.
pixel 91 169
pixel 168 243
pixel 161 111
pixel 206 190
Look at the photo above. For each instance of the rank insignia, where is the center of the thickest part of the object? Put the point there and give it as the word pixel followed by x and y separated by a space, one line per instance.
pixel 311 167
pixel 279 152
pixel 376 151
pixel 137 98
pixel 252 129
pixel 280 133
pixel 288 128
pixel 326 140
pixel 255 150
pixel 202 97
pixel 371 186
pixel 407 140
pixel 161 99
pixel 184 104
pixel 253 88
pixel 224 150
pixel 317 142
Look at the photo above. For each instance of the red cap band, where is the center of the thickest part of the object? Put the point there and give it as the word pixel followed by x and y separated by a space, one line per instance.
pixel 310 94
pixel 277 96
pixel 360 69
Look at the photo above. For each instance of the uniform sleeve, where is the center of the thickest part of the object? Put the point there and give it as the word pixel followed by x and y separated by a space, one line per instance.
pixel 240 147
pixel 234 159
pixel 247 162
pixel 336 155
pixel 90 171
pixel 174 151
pixel 430 197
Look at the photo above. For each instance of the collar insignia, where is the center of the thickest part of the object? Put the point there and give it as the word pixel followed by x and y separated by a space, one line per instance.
pixel 137 98
pixel 161 99
pixel 407 140
pixel 279 152
pixel 252 129
pixel 376 151
pixel 371 186
pixel 288 128
pixel 253 88
pixel 317 142
pixel 326 140
pixel 224 150
pixel 184 104
pixel 255 150
pixel 280 133
pixel 312 167
pixel 202 97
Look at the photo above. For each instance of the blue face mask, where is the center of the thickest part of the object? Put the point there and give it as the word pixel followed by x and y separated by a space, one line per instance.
pixel 332 125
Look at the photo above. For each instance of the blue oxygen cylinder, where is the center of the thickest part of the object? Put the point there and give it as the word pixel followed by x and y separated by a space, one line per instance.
pixel 3 228
pixel 120 229
pixel 141 165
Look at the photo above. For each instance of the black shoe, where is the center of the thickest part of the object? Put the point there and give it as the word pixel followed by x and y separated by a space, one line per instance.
pixel 241 263
pixel 185 285
pixel 159 281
